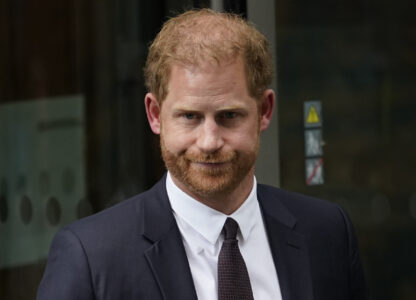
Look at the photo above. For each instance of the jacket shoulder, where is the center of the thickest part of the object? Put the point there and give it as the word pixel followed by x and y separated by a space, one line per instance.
pixel 118 215
pixel 294 201
pixel 309 213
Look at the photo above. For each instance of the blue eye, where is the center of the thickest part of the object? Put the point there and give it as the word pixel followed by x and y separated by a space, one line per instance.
pixel 189 116
pixel 230 114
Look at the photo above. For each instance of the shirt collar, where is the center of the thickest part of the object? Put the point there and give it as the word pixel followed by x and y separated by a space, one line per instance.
pixel 209 222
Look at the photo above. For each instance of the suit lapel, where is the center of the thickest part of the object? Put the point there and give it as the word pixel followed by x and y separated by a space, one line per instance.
pixel 289 248
pixel 166 257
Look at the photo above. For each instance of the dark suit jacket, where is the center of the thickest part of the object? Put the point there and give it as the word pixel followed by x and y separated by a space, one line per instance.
pixel 134 251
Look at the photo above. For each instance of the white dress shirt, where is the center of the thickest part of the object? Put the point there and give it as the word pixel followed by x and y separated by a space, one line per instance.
pixel 201 226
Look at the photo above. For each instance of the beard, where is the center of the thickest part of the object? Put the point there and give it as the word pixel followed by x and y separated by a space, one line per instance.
pixel 226 171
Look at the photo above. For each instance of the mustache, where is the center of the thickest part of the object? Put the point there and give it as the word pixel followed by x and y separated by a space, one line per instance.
pixel 216 157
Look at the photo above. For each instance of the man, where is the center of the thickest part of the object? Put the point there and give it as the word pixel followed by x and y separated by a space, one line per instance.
pixel 207 230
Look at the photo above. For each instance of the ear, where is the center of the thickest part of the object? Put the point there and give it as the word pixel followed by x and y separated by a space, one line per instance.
pixel 266 108
pixel 153 112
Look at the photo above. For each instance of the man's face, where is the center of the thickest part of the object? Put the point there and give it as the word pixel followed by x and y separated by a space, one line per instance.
pixel 209 127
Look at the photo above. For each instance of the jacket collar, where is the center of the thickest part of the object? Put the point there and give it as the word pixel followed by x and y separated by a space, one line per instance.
pixel 166 256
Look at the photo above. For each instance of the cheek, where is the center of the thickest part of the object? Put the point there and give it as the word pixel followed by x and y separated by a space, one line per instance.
pixel 244 140
pixel 176 140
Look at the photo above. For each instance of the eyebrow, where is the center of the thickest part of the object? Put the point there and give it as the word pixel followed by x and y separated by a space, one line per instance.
pixel 231 107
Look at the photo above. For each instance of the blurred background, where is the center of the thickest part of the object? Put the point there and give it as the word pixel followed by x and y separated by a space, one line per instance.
pixel 74 138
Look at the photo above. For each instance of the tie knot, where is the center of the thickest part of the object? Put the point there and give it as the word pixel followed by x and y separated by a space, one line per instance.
pixel 230 229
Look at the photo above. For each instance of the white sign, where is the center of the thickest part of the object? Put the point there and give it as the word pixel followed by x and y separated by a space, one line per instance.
pixel 314 171
pixel 313 142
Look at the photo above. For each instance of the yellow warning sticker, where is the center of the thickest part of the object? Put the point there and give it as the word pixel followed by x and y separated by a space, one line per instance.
pixel 312 116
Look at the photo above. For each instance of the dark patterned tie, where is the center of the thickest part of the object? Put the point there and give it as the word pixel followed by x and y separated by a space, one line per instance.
pixel 233 279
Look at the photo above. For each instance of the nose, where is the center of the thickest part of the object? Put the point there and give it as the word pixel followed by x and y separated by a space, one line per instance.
pixel 209 137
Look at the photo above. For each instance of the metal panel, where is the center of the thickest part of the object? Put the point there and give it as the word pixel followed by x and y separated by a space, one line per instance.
pixel 262 14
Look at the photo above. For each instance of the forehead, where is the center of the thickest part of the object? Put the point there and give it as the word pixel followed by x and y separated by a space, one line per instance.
pixel 209 87
pixel 208 77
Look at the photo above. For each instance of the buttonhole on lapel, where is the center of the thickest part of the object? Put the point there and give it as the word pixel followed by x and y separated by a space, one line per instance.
pixel 293 244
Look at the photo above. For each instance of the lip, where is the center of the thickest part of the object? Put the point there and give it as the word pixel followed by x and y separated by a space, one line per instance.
pixel 211 164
